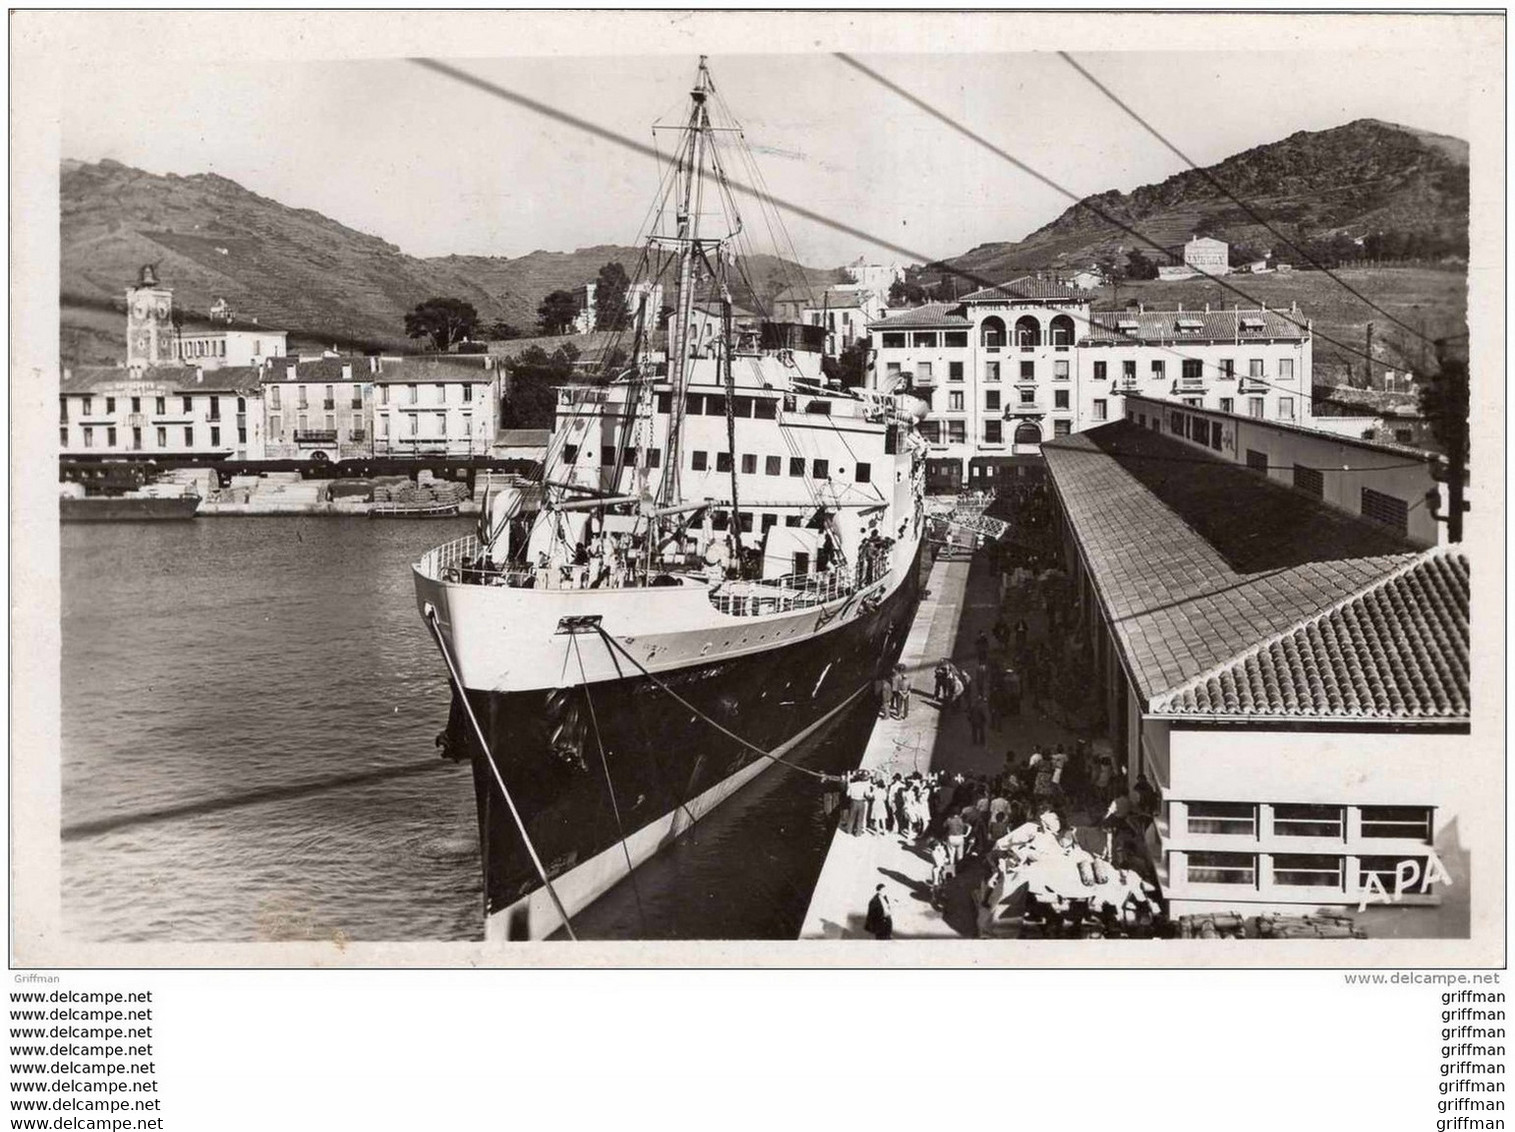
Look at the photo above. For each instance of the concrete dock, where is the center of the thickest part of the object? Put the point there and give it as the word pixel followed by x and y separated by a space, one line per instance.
pixel 962 601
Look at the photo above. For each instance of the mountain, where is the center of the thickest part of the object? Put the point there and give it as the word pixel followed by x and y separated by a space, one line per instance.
pixel 1351 181
pixel 287 267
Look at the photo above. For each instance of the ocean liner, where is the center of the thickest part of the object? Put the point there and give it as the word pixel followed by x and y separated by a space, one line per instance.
pixel 718 555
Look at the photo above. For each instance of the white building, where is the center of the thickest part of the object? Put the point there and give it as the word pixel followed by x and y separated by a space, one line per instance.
pixel 876 278
pixel 1288 672
pixel 319 406
pixel 845 313
pixel 157 334
pixel 443 406
pixel 180 411
pixel 1008 367
pixel 584 321
pixel 1208 256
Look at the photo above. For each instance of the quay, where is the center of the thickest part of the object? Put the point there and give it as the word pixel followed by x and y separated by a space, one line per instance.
pixel 962 600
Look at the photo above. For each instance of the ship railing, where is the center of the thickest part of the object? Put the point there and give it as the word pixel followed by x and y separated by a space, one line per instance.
pixel 759 596
pixel 463 560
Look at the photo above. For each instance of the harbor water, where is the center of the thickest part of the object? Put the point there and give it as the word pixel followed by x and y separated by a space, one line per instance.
pixel 248 717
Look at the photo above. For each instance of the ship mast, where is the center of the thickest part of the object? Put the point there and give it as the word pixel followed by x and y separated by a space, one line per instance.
pixel 688 245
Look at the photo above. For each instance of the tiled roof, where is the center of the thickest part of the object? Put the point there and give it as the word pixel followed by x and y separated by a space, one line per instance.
pixel 185 379
pixel 1200 326
pixel 469 368
pixel 318 369
pixel 1196 559
pixel 931 316
pixel 1028 287
pixel 1395 650
pixel 522 437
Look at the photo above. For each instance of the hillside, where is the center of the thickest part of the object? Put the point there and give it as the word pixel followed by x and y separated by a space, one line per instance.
pixel 289 268
pixel 1364 177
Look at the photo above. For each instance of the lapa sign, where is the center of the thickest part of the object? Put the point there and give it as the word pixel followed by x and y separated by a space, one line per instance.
pixel 1409 876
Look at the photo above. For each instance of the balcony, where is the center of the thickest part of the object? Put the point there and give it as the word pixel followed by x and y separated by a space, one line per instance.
pixel 315 436
pixel 328 404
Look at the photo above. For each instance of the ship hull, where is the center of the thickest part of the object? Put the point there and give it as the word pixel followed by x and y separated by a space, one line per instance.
pixel 606 773
pixel 127 509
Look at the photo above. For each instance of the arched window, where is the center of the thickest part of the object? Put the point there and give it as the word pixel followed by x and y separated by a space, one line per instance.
pixel 1027 433
pixel 1028 331
pixel 992 332
pixel 1062 331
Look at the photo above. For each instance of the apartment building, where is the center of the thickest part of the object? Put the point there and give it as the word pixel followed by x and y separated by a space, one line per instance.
pixel 1008 367
pixel 164 411
pixel 318 407
pixel 442 406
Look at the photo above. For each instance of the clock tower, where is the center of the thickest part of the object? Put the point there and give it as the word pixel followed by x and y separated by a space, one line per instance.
pixel 150 330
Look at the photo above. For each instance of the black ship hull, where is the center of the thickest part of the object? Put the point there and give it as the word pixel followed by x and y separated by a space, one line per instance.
pixel 617 769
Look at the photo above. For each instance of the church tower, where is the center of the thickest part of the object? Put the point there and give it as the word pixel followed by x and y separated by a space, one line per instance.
pixel 149 322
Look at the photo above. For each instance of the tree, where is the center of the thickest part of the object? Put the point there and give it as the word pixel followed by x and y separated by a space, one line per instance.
pixel 851 367
pixel 557 311
pixel 534 378
pixel 610 297
pixel 444 321
pixel 1444 403
pixel 502 331
pixel 1139 266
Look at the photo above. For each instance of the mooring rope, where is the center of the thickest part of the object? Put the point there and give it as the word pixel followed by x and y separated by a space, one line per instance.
pixel 614 644
pixel 457 683
pixel 609 785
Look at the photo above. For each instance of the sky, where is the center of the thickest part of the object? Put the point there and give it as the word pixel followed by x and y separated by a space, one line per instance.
pixel 437 167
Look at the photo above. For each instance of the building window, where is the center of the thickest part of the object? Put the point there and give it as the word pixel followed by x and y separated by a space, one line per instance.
pixel 1193 371
pixel 1227 405
pixel 1234 819
pixel 955 339
pixel 1255 368
pixel 1101 409
pixel 1310 480
pixel 1255 407
pixel 1060 370
pixel 1228 368
pixel 1385 509
pixel 723 461
pixel 110 404
pixel 162 437
pixel 820 470
pixel 1028 371
pixel 1099 371
pixel 1286 368
pixel 991 371
pixel 955 401
pixel 994 432
pixel 1286 408
pixel 1062 428
pixel 241 434
pixel 89 436
pixel 1257 461
pixel 441 395
pixel 923 372
pixel 1128 371
pixel 1291 820
pixel 215 437
pixel 467 393
pixel 924 339
pixel 991 400
pixel 796 465
pixel 136 404
pixel 863 473
pixel 1159 368
pixel 1404 823
pixel 189 404
pixel 301 402
pixel 136 439
pixel 698 461
pixel 415 424
pixel 1059 398
pixel 1028 396
pixel 189 436
pixel 1307 871
pixel 1222 868
pixel 412 394
pixel 931 431
pixel 891 369
pixel 215 408
pixel 110 437
pixel 160 406
pixel 893 341
pixel 749 463
pixel 302 423
pixel 275 427
pixel 957 432
pixel 273 397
